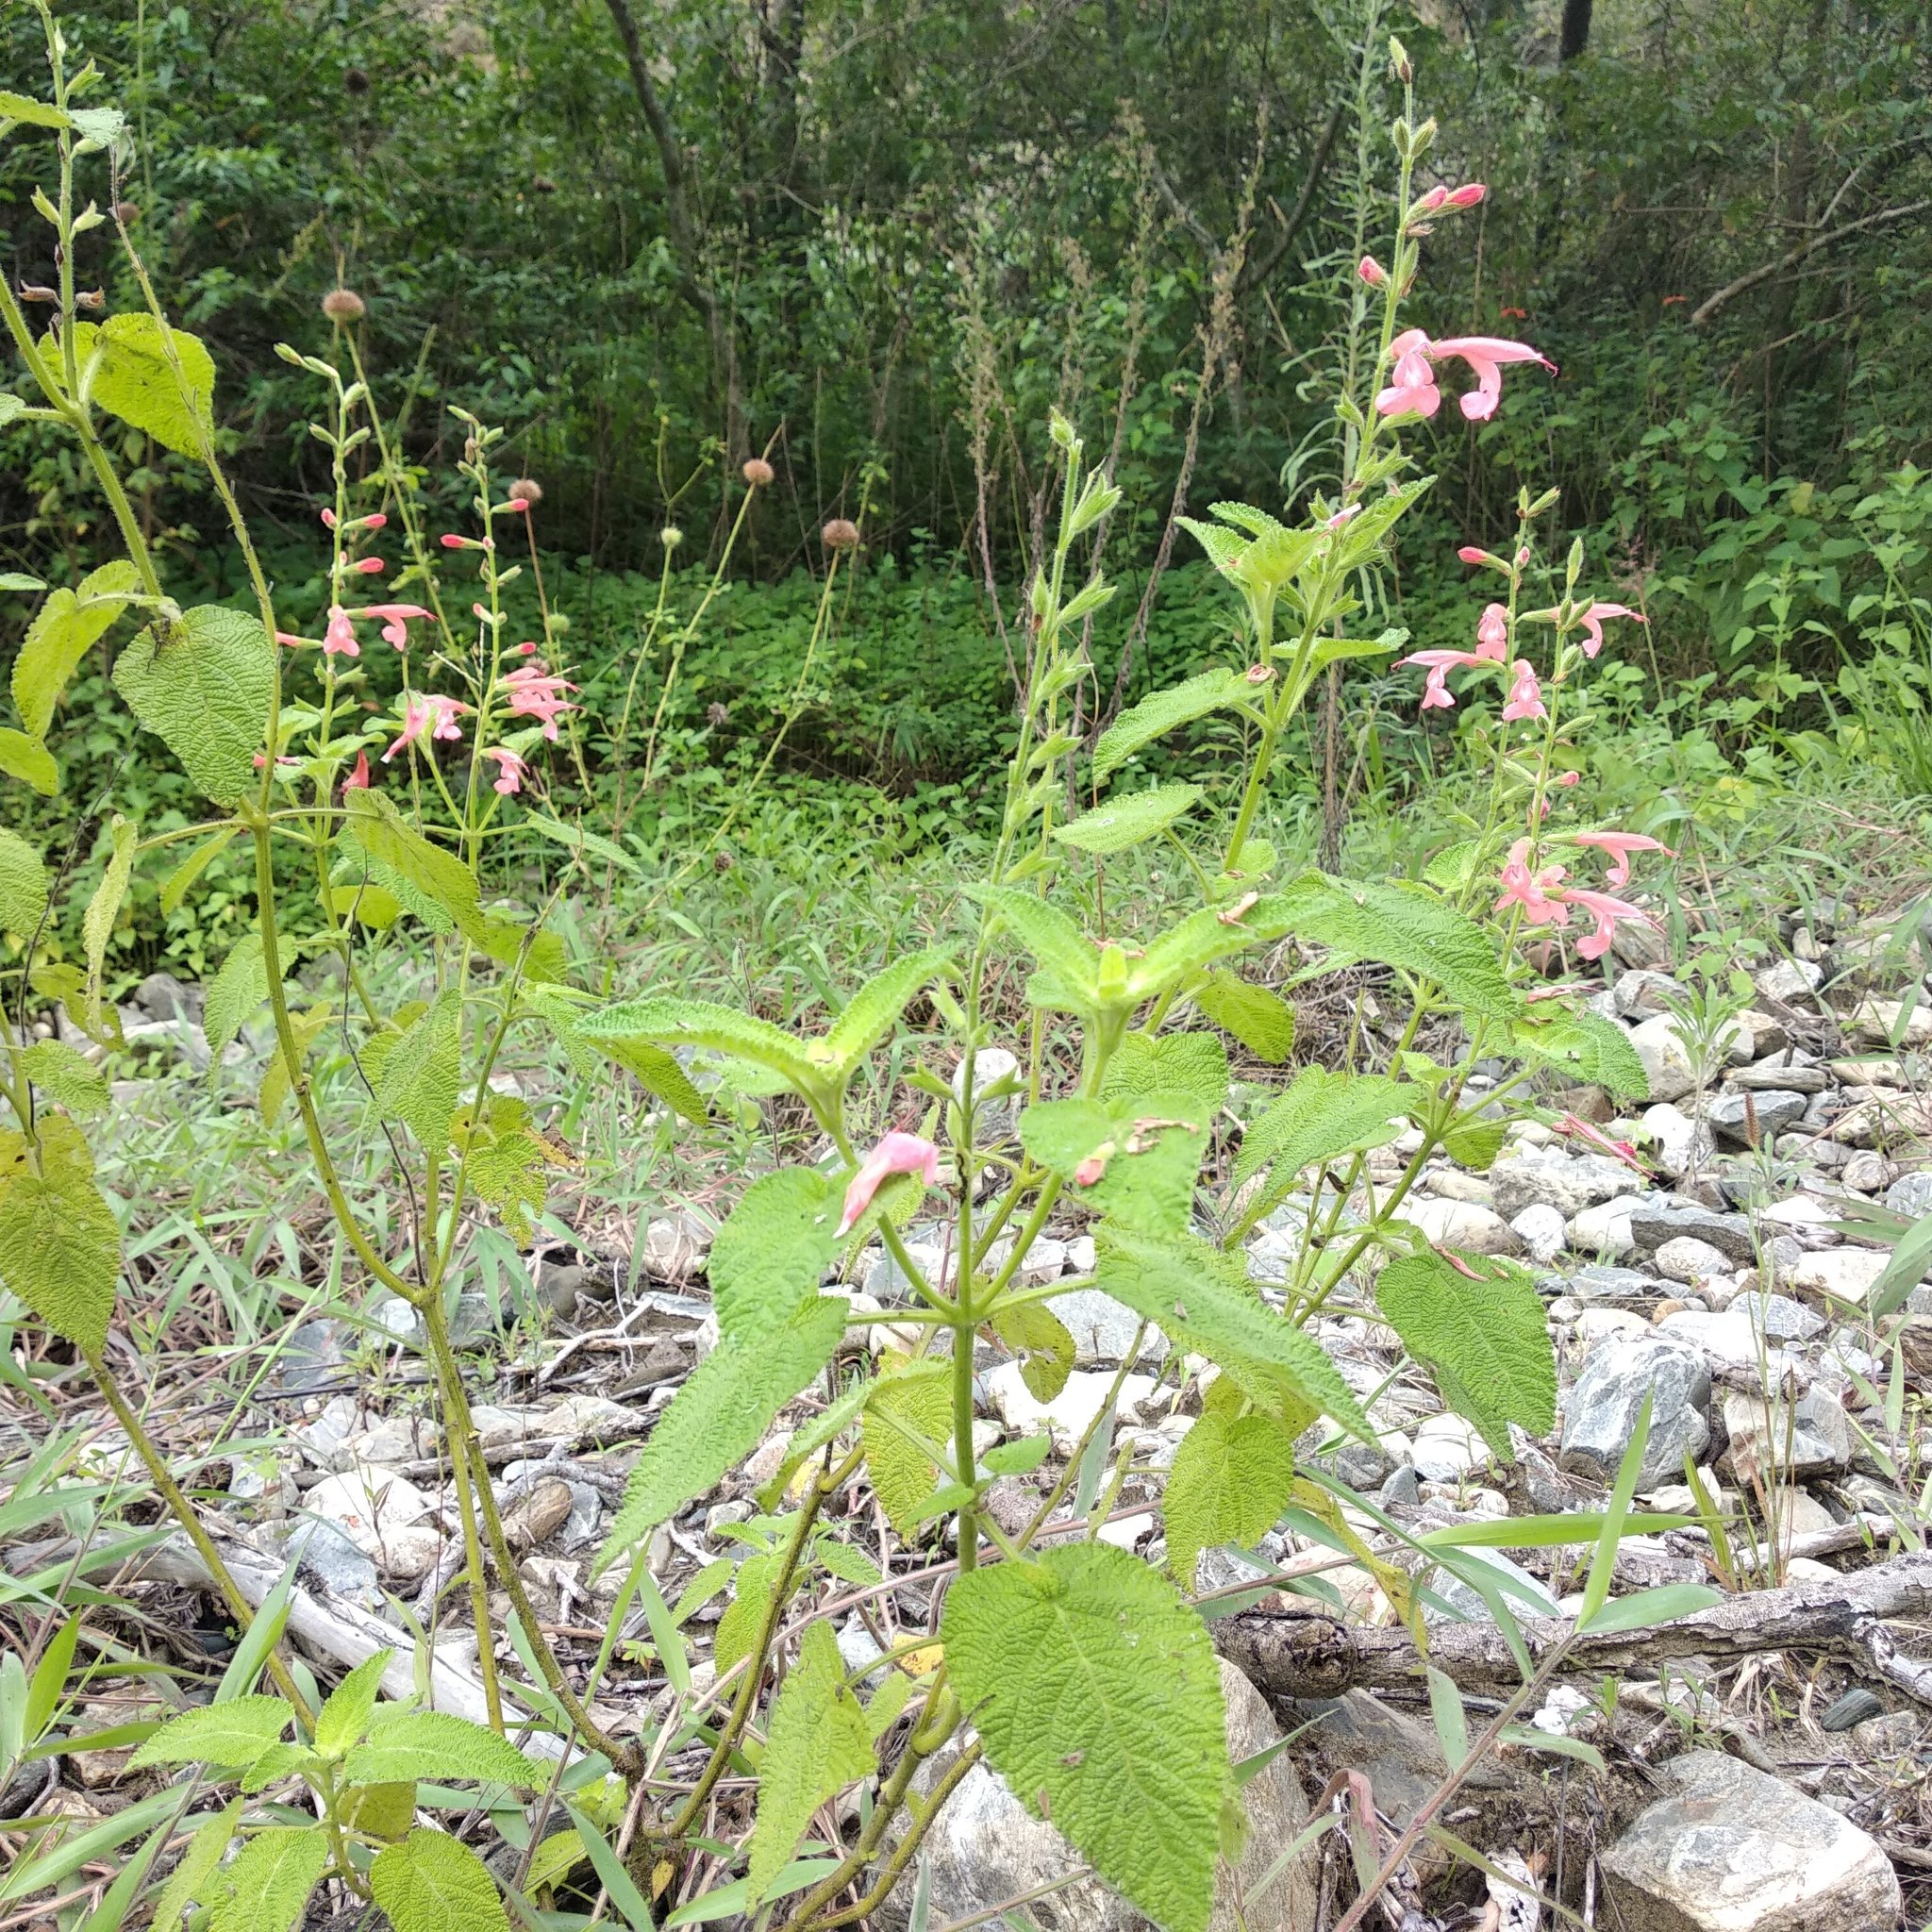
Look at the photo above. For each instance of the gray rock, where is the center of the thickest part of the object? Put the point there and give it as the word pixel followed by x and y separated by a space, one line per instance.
pixel 1789 980
pixel 1601 1417
pixel 1104 1329
pixel 986 1848
pixel 1600 1282
pixel 332 1562
pixel 1405 1485
pixel 1568 1182
pixel 1668 1058
pixel 1910 1194
pixel 1778 1318
pixel 1733 1850
pixel 1652 1225
pixel 1641 992
pixel 1812 1437
pixel 1743 1119
pixel 1465 1225
pixel 1686 1259
pixel 1779 1072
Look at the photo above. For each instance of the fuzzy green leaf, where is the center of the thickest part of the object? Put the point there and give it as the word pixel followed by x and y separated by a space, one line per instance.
pixel 136 378
pixel 235 993
pixel 203 686
pixel 1154 716
pixel 194 1878
pixel 175 887
pixel 658 1072
pixel 23 886
pixel 60 1242
pixel 67 1077
pixel 29 760
pixel 1200 940
pixel 422 1073
pixel 1321 1114
pixel 1060 947
pixel 433 1883
pixel 771 1254
pixel 920 1396
pixel 721 1414
pixel 1191 1063
pixel 699 1022
pixel 64 630
pixel 345 1716
pixel 819 1742
pixel 1263 1021
pixel 743 1619
pixel 1128 818
pixel 1096 1691
pixel 1134 1161
pixel 1203 1300
pixel 271 1879
pixel 1484 1333
pixel 1591 1047
pixel 1230 1481
pixel 1043 1344
pixel 237 1732
pixel 103 910
pixel 408 1744
pixel 874 1008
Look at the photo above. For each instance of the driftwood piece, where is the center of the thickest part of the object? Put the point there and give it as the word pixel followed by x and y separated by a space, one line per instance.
pixel 1292 1649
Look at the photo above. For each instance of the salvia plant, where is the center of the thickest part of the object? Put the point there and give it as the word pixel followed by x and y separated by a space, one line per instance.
pixel 1083 1674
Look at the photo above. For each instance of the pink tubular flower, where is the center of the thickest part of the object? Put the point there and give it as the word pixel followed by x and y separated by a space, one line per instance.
pixel 1592 621
pixel 1466 196
pixel 1436 692
pixel 394 619
pixel 1525 694
pixel 1493 634
pixel 434 714
pixel 1574 1128
pixel 896 1154
pixel 1535 891
pixel 1484 356
pixel 1343 516
pixel 357 780
pixel 1371 271
pixel 534 693
pixel 340 638
pixel 374 521
pixel 1411 389
pixel 449 541
pixel 1606 911
pixel 510 769
pixel 1620 845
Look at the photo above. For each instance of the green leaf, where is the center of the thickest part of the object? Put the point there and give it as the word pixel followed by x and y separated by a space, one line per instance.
pixel 921 1396
pixel 658 1072
pixel 1263 1021
pixel 1664 1604
pixel 1452 1726
pixel 67 1077
pixel 1059 946
pixel 136 378
pixel 34 113
pixel 421 1073
pixel 235 993
pixel 1198 941
pixel 222 1735
pixel 1603 1563
pixel 65 629
pixel 1595 1049
pixel 819 1742
pixel 1321 1115
pixel 1135 1161
pixel 586 844
pixel 204 685
pixel 23 886
pixel 1485 1334
pixel 874 1008
pixel 771 1254
pixel 271 1879
pixel 343 1719
pixel 1911 1255
pixel 810 1437
pixel 699 1022
pixel 1475 1144
pixel 743 1619
pixel 1096 1691
pixel 1128 818
pixel 380 1811
pixel 1044 1345
pixel 1154 716
pixel 175 887
pixel 274 1764
pixel 409 1744
pixel 194 1878
pixel 505 1159
pixel 1021 1458
pixel 1191 1063
pixel 60 1242
pixel 1230 1482
pixel 102 909
pixel 29 760
pixel 1406 926
pixel 432 1882
pixel 721 1414
pixel 1203 1300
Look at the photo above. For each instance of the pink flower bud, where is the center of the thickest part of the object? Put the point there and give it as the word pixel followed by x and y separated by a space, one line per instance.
pixel 374 521
pixel 449 541
pixel 368 566
pixel 1432 201
pixel 328 520
pixel 1474 553
pixel 1468 194
pixel 1371 271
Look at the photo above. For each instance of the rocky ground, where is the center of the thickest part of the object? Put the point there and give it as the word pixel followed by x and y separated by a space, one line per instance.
pixel 1780 1776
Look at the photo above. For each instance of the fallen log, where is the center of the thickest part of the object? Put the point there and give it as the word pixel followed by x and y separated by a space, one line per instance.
pixel 1291 1649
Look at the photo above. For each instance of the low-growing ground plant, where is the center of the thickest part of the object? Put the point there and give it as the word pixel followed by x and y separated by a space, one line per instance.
pixel 1086 1676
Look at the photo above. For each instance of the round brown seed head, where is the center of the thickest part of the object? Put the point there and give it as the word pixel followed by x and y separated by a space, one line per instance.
pixel 757 471
pixel 527 489
pixel 840 533
pixel 344 306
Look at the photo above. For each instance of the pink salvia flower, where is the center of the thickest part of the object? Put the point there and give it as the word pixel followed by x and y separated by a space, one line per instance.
pixel 432 714
pixel 534 693
pixel 510 769
pixel 1592 622
pixel 340 638
pixel 1371 271
pixel 1411 389
pixel 1436 692
pixel 357 780
pixel 1344 515
pixel 1606 911
pixel 1484 356
pixel 395 618
pixel 1493 634
pixel 1474 553
pixel 1576 1128
pixel 1525 694
pixel 1535 891
pixel 1620 845
pixel 896 1154
pixel 1432 201
pixel 374 521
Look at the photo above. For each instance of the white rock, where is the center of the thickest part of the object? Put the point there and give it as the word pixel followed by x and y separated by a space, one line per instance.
pixel 1069 1413
pixel 1541 1230
pixel 1605 1230
pixel 1678 1141
pixel 1789 980
pixel 1845 1273
pixel 367 1505
pixel 1667 1057
pixel 1595 1326
pixel 1447 1447
pixel 1465 1225
pixel 1104 1329
pixel 1686 1259
pixel 1884 1023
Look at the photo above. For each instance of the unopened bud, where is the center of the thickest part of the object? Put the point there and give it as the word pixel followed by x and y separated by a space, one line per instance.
pixel 1398 59
pixel 344 306
pixel 527 489
pixel 1432 201
pixel 671 535
pixel 127 214
pixel 1371 271
pixel 840 533
pixel 757 471
pixel 1468 194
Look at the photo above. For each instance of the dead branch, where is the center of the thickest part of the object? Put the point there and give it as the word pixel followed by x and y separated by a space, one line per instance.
pixel 1804 250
